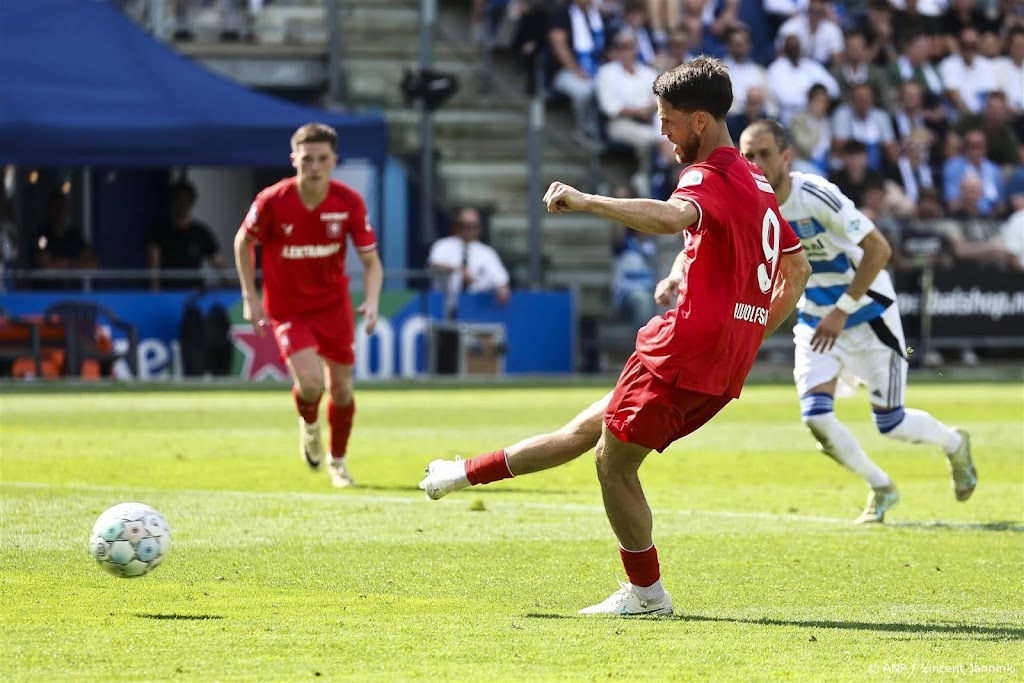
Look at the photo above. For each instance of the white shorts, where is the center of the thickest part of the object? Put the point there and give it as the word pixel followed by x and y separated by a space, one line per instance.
pixel 864 354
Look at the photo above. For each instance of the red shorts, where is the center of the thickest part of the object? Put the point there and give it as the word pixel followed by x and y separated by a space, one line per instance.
pixel 646 411
pixel 330 331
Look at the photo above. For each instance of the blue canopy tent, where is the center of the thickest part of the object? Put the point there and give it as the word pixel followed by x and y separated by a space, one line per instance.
pixel 83 85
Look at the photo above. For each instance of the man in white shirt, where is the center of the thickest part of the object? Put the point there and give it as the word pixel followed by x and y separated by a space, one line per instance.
pixel 791 76
pixel 467 264
pixel 862 120
pixel 968 76
pixel 625 96
pixel 821 38
pixel 1010 70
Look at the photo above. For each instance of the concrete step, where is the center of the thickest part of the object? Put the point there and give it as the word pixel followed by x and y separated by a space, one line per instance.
pixel 378 81
pixel 378 16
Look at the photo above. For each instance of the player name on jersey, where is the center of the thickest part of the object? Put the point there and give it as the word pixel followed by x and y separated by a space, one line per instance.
pixel 750 313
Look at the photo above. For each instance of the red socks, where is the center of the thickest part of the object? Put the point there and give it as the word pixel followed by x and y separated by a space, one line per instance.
pixel 641 566
pixel 309 410
pixel 340 420
pixel 489 467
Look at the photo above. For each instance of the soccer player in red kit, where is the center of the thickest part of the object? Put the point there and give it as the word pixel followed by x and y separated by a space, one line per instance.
pixel 737 278
pixel 303 224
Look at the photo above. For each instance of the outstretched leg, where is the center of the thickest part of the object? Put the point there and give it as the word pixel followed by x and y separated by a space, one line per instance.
pixel 534 454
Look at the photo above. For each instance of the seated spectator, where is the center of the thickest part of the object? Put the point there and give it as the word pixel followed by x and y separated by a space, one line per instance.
pixel 861 120
pixel 61 245
pixel 626 97
pixel 465 264
pixel 678 50
pixel 791 76
pixel 854 68
pixel 181 241
pixel 634 274
pixel 635 21
pixel 718 18
pixel 577 40
pixel 821 39
pixel 855 176
pixel 811 131
pixel 974 235
pixel 754 109
pixel 913 64
pixel 973 161
pixel 913 171
pixel 968 77
pixel 744 72
pixel 1009 71
pixel 994 121
pixel 914 113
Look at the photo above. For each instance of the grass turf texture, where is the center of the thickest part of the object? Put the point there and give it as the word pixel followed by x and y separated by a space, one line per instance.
pixel 273 575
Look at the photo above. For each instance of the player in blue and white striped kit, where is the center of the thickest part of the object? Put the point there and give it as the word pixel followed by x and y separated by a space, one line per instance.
pixel 848 325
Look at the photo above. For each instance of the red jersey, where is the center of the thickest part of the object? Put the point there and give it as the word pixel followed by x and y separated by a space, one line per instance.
pixel 304 249
pixel 708 343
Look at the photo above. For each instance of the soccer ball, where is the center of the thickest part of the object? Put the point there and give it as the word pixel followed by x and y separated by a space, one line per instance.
pixel 130 539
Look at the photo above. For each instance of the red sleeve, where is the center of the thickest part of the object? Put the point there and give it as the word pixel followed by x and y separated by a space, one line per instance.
pixel 360 229
pixel 701 187
pixel 258 222
pixel 789 242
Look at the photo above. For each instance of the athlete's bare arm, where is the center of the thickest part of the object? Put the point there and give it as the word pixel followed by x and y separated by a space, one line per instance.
pixel 373 279
pixel 877 253
pixel 252 307
pixel 794 271
pixel 666 290
pixel 646 215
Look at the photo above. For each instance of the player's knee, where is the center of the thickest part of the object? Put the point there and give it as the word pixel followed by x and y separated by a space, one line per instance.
pixel 341 394
pixel 310 388
pixel 816 412
pixel 888 420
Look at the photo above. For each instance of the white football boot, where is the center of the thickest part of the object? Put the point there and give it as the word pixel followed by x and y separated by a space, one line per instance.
pixel 310 447
pixel 339 474
pixel 880 501
pixel 444 476
pixel 626 603
pixel 961 467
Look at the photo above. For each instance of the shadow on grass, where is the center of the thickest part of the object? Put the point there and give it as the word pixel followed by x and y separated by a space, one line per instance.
pixel 1014 526
pixel 179 617
pixel 992 632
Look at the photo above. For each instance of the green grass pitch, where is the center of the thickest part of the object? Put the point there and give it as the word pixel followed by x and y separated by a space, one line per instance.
pixel 274 576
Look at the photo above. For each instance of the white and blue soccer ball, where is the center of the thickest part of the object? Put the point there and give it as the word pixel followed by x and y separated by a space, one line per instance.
pixel 130 539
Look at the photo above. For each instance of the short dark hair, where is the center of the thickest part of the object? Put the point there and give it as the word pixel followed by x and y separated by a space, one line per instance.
pixel 774 128
pixel 185 187
pixel 701 84
pixel 315 132
pixel 855 147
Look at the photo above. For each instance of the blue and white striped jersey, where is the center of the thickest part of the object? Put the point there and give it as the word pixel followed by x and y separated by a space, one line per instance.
pixel 830 229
